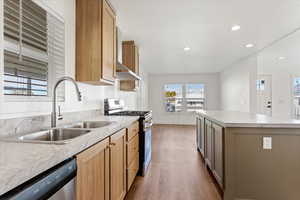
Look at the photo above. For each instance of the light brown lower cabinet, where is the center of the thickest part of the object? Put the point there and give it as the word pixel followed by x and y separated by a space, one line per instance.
pixel 132 153
pixel 92 180
pixel 132 170
pixel 118 165
pixel 104 171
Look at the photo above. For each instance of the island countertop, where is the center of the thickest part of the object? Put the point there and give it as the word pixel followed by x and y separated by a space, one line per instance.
pixel 244 119
pixel 19 162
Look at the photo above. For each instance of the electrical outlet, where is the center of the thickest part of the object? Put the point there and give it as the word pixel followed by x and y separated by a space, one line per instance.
pixel 267 142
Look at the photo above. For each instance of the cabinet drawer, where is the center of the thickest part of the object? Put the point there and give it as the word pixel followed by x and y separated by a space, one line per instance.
pixel 132 130
pixel 132 149
pixel 132 171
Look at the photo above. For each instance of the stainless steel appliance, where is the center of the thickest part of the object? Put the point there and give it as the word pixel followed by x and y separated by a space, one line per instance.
pixel 57 183
pixel 117 107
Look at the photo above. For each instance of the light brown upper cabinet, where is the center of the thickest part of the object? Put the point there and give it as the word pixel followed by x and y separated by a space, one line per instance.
pixel 95 42
pixel 130 58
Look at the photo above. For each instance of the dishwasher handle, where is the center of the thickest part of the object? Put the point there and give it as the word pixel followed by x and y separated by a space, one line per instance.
pixel 45 185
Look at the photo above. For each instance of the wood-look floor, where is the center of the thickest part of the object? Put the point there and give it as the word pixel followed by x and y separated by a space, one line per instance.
pixel 176 171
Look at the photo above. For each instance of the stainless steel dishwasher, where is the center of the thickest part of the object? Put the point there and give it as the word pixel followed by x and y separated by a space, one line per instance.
pixel 57 183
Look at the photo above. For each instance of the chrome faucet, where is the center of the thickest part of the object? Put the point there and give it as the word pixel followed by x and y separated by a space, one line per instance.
pixel 53 114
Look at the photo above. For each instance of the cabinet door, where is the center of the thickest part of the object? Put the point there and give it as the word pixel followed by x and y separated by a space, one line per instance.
pixel 218 153
pixel 109 43
pixel 131 60
pixel 198 133
pixel 118 165
pixel 202 138
pixel 208 144
pixel 132 171
pixel 201 135
pixel 92 180
pixel 88 40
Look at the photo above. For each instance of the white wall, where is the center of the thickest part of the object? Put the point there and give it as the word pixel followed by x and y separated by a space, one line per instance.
pixel 92 95
pixel 238 86
pixel 282 73
pixel 156 96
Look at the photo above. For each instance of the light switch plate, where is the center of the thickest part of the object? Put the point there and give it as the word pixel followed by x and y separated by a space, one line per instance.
pixel 267 142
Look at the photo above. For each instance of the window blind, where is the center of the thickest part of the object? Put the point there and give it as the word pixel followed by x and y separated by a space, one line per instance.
pixel 56 49
pixel 25 76
pixel 36 56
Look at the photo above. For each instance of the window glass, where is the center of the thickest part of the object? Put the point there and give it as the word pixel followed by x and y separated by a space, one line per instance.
pixel 260 85
pixel 195 97
pixel 173 95
pixel 184 97
pixel 34 49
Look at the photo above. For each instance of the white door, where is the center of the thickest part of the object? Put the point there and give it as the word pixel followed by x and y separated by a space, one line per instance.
pixel 264 94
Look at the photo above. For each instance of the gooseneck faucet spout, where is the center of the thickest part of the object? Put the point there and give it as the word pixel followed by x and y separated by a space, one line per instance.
pixel 64 78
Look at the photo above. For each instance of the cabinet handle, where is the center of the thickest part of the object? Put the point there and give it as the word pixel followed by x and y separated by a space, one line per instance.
pixel 113 144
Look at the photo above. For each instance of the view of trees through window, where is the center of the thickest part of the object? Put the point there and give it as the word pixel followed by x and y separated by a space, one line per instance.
pixel 184 97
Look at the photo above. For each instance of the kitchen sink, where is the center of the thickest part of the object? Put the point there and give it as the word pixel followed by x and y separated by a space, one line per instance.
pixel 91 124
pixel 52 136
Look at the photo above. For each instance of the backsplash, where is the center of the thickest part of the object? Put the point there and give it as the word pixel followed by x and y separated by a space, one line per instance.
pixel 23 125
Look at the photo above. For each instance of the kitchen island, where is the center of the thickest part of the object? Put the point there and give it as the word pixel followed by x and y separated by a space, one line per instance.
pixel 251 156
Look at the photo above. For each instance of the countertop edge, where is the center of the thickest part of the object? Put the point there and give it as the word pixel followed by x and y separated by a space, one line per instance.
pixel 249 124
pixel 11 176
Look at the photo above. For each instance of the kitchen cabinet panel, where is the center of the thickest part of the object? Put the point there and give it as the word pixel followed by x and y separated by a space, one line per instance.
pixel 92 180
pixel 130 58
pixel 132 153
pixel 132 171
pixel 200 134
pixel 132 149
pixel 95 42
pixel 209 144
pixel 218 153
pixel 109 42
pixel 118 165
pixel 133 129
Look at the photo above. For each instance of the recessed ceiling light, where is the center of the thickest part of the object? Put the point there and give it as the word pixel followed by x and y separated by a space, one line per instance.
pixel 187 48
pixel 281 58
pixel 250 45
pixel 235 28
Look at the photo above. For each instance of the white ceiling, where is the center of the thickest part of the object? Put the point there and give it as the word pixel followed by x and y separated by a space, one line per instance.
pixel 287 48
pixel 162 28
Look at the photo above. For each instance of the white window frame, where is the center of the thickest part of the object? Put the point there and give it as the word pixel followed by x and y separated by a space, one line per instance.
pixel 184 102
pixel 15 48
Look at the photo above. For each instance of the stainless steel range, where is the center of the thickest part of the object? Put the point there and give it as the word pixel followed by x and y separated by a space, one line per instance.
pixel 117 107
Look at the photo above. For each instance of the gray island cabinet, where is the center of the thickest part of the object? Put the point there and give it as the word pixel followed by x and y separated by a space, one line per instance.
pixel 251 156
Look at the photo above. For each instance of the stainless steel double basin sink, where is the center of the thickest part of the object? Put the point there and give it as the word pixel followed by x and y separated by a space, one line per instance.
pixel 60 135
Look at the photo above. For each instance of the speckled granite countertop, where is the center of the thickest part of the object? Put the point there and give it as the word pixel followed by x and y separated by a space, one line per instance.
pixel 19 162
pixel 244 119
